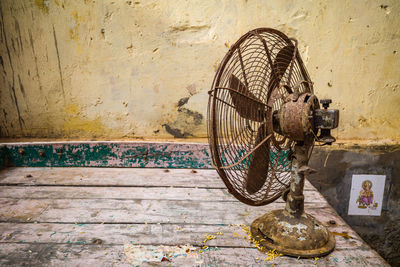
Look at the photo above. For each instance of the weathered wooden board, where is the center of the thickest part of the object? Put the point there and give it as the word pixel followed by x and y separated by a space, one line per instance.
pixel 90 216
pixel 40 254
pixel 144 234
pixel 133 193
pixel 136 211
pixel 143 177
pixel 140 177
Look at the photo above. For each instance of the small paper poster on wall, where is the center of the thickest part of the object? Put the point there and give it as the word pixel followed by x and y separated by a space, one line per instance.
pixel 366 195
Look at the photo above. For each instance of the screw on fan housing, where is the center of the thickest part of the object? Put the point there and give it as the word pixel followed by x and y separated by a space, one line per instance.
pixel 325 102
pixel 263 119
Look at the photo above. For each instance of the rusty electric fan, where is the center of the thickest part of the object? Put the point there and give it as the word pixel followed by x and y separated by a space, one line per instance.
pixel 263 119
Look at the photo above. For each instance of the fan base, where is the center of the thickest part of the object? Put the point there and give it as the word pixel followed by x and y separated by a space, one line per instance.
pixel 302 236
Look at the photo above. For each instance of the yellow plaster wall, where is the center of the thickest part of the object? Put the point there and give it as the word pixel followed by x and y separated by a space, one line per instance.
pixel 141 69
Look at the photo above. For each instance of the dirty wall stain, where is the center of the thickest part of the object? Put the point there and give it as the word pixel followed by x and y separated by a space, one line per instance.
pixel 75 124
pixel 43 5
pixel 186 122
pixel 176 47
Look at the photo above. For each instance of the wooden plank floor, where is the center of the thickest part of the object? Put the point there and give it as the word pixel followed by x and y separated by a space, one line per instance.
pixel 125 217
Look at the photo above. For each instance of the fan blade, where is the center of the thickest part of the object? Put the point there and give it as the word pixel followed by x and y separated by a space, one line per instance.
pixel 281 63
pixel 258 168
pixel 243 101
pixel 305 75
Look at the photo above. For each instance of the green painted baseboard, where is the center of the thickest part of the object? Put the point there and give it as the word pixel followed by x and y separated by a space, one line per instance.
pixel 114 154
pixel 108 154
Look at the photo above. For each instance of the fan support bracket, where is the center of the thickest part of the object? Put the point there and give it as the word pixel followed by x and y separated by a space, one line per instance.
pixel 291 231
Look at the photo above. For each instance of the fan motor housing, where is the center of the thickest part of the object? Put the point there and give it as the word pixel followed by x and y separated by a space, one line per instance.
pixel 295 118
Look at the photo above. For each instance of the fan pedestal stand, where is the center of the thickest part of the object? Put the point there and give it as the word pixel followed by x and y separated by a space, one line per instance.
pixel 291 231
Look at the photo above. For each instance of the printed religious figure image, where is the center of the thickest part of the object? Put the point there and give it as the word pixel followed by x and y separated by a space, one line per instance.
pixel 366 194
pixel 366 197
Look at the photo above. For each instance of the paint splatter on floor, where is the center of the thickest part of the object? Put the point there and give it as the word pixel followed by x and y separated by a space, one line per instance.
pixel 138 254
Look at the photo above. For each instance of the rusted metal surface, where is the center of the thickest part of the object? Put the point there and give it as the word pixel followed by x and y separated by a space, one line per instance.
pixel 252 83
pixel 291 231
pixel 258 171
pixel 326 119
pixel 296 116
pixel 302 236
pixel 262 103
pixel 244 101
pixel 295 198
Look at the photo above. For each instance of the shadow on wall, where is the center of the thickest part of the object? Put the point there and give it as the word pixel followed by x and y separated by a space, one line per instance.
pixel 334 178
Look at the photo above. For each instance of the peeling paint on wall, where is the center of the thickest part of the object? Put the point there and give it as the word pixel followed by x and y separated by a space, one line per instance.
pixel 186 122
pixel 142 69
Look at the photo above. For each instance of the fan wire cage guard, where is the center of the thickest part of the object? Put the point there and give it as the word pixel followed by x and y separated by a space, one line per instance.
pixel 259 71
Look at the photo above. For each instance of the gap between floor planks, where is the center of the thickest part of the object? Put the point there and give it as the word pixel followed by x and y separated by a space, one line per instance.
pixel 152 224
pixel 169 193
pixel 137 177
pixel 113 255
pixel 123 210
pixel 143 234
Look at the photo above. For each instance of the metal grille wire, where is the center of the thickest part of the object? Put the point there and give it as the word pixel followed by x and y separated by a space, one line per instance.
pixel 231 136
